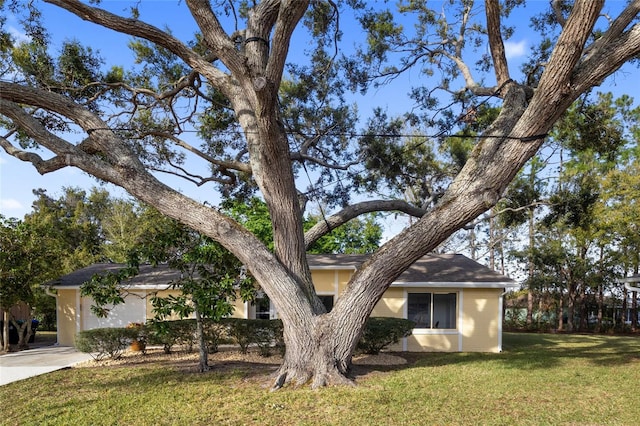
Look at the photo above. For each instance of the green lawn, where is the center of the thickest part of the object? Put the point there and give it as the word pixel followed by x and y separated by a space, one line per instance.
pixel 538 379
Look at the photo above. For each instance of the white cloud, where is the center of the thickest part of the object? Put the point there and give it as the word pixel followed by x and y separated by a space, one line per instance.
pixel 514 50
pixel 10 204
pixel 18 36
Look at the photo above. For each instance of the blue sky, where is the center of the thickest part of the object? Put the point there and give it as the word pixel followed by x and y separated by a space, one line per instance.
pixel 18 179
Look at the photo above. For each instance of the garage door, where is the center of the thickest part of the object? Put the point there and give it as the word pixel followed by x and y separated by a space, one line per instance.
pixel 132 310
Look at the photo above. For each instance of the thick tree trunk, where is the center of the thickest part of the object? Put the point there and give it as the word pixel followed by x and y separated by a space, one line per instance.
pixel 320 355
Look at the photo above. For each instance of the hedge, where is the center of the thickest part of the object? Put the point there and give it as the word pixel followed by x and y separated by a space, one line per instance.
pixel 106 342
pixel 379 333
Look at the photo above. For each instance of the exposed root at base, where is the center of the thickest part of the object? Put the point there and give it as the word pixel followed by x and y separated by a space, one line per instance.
pixel 318 378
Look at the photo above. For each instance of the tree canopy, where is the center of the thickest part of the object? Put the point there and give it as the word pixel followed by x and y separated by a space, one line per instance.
pixel 229 95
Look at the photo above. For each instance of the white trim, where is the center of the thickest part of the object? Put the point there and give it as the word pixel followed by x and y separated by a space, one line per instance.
pixel 434 331
pixel 134 287
pixel 426 284
pixel 456 284
pixel 460 318
pixel 405 315
pixel 337 267
pixel 78 311
pixel 631 279
pixel 246 310
pixel 630 288
pixel 500 320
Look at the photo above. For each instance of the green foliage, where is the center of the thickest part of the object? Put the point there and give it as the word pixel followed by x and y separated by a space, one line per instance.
pixel 358 236
pixel 106 342
pixel 600 372
pixel 361 235
pixel 380 332
pixel 29 256
pixel 262 333
pixel 106 289
pixel 172 333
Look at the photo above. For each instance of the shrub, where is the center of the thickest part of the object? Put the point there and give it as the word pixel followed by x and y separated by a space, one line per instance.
pixel 214 332
pixel 263 335
pixel 105 342
pixel 278 335
pixel 380 332
pixel 173 333
pixel 241 332
pixel 260 332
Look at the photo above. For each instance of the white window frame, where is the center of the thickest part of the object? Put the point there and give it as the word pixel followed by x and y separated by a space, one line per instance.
pixel 431 330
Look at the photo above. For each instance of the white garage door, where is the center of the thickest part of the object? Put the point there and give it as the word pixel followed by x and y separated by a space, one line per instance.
pixel 132 310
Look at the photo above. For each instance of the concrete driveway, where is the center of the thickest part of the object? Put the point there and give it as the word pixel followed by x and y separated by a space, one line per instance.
pixel 33 362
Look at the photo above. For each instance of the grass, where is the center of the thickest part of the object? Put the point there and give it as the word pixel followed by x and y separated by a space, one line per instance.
pixel 538 379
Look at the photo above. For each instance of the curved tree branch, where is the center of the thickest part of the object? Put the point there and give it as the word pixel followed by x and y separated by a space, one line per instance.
pixel 495 41
pixel 143 30
pixel 325 226
pixel 231 165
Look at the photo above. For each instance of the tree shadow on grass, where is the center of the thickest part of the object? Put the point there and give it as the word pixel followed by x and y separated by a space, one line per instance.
pixel 521 351
pixel 529 351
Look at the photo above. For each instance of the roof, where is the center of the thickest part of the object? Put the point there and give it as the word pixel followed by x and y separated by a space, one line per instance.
pixel 432 270
pixel 630 279
pixel 150 277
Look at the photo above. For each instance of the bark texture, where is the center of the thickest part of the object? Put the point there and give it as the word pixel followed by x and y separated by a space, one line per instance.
pixel 319 345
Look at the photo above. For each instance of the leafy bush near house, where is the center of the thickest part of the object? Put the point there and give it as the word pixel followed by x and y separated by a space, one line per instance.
pixel 380 332
pixel 173 333
pixel 104 343
pixel 263 333
pixel 214 333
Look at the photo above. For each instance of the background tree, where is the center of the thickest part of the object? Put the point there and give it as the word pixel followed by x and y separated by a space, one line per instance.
pixel 133 123
pixel 28 257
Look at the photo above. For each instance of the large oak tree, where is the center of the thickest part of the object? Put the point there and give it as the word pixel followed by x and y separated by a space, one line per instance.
pixel 132 123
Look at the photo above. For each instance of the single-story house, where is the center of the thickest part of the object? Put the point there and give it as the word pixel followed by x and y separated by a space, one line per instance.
pixel 456 303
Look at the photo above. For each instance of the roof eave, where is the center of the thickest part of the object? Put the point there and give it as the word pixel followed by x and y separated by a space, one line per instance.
pixel 457 284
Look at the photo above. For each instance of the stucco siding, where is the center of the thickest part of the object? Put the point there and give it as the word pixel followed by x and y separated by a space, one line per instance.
pixel 239 308
pixel 324 281
pixel 480 320
pixel 391 304
pixel 150 294
pixel 343 279
pixel 432 343
pixel 67 317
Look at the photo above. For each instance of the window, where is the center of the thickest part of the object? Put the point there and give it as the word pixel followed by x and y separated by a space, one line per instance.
pixel 327 301
pixel 262 307
pixel 432 310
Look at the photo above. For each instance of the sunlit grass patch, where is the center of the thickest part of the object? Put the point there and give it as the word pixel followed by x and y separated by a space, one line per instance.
pixel 538 379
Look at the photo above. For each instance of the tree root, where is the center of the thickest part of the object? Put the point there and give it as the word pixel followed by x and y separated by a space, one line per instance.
pixel 318 377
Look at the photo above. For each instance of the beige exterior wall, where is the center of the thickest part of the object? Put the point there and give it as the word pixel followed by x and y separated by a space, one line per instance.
pixel 481 320
pixel 478 316
pixel 391 304
pixel 433 342
pixel 239 310
pixel 325 281
pixel 150 294
pixel 68 317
